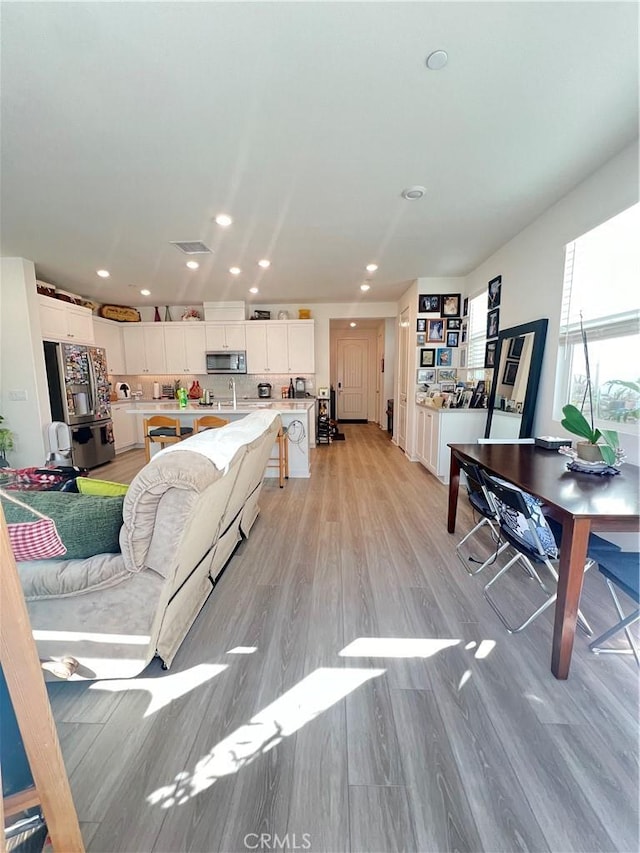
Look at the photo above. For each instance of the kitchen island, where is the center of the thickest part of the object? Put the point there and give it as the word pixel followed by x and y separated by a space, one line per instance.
pixel 298 418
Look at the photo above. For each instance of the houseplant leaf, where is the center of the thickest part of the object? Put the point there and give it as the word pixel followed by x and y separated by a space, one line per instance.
pixel 574 421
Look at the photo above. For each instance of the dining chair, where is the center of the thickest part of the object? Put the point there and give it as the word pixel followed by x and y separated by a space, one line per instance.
pixel 481 502
pixel 524 527
pixel 208 422
pixel 620 569
pixel 161 429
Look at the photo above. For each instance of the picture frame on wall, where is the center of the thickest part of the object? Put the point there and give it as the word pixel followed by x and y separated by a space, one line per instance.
pixel 454 324
pixel 427 357
pixel 463 357
pixel 510 372
pixel 490 354
pixel 494 289
pixel 421 324
pixel 453 339
pixel 515 347
pixel 465 307
pixel 429 303
pixel 425 376
pixel 435 331
pixel 448 374
pixel 493 318
pixel 421 339
pixel 450 305
pixel 463 333
pixel 444 357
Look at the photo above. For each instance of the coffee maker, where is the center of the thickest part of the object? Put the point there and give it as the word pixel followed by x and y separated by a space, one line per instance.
pixel 300 386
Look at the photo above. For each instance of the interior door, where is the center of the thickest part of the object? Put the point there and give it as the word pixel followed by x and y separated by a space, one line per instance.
pixel 403 379
pixel 353 387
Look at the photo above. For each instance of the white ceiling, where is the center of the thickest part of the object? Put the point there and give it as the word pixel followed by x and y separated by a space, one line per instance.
pixel 128 125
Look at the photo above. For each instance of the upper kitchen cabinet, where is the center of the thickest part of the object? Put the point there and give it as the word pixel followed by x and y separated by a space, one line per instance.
pixel 185 346
pixel 300 346
pixel 225 336
pixel 62 321
pixel 267 348
pixel 144 348
pixel 108 335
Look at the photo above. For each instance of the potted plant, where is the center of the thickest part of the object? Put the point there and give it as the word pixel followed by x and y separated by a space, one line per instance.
pixel 592 449
pixel 6 443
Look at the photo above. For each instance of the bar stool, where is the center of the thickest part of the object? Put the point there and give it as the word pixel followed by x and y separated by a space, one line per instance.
pixel 162 430
pixel 208 422
pixel 281 461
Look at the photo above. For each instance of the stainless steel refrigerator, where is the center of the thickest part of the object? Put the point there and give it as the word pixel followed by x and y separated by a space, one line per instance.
pixel 79 396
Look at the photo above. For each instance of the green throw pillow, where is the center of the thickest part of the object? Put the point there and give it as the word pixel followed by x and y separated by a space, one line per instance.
pixel 89 486
pixel 87 524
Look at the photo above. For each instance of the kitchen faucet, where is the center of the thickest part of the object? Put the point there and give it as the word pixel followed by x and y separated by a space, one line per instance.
pixel 232 386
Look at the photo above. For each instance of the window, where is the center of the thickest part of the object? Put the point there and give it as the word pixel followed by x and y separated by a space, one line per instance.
pixel 602 269
pixel 477 332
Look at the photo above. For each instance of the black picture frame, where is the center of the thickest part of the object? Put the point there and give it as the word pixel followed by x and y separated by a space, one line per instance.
pixel 515 347
pixel 454 324
pixel 493 323
pixel 465 307
pixel 429 303
pixel 427 357
pixel 463 333
pixel 453 339
pixel 450 305
pixel 478 395
pixel 490 354
pixel 494 289
pixel 510 372
pixel 421 324
pixel 435 331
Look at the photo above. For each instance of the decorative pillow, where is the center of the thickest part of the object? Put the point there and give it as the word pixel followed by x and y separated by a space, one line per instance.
pixel 35 540
pixel 86 524
pixel 89 486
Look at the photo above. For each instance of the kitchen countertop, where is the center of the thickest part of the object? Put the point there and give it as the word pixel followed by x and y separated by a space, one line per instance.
pixel 170 407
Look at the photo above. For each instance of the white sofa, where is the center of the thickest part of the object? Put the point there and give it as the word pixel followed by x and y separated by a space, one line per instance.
pixel 183 516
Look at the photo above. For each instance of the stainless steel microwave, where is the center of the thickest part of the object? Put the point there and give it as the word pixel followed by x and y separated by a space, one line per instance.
pixel 227 361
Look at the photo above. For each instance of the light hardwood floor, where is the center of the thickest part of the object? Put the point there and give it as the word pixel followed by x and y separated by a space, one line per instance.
pixel 467 744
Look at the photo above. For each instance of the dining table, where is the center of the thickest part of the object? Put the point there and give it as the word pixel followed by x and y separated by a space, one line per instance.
pixel 581 502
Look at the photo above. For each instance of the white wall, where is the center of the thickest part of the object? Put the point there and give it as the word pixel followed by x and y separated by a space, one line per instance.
pixel 22 371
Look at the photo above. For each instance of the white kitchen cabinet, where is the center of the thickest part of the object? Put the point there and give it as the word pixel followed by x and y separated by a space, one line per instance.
pixel 300 347
pixel 222 336
pixel 185 346
pixel 267 348
pixel 437 428
pixel 108 334
pixel 124 427
pixel 62 321
pixel 144 348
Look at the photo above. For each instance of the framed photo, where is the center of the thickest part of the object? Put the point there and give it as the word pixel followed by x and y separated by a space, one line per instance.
pixel 429 303
pixel 427 358
pixel 450 305
pixel 453 339
pixel 478 396
pixel 425 376
pixel 435 331
pixel 454 324
pixel 444 357
pixel 447 374
pixel 465 307
pixel 463 333
pixel 421 324
pixel 493 323
pixel 510 373
pixel 463 357
pixel 490 354
pixel 515 347
pixel 494 287
pixel 421 339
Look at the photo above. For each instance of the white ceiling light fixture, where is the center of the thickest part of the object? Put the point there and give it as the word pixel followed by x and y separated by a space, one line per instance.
pixel 437 60
pixel 353 325
pixel 365 286
pixel 264 263
pixel 103 273
pixel 372 267
pixel 193 265
pixel 413 193
pixel 145 292
pixel 253 290
pixel 235 270
pixel 223 220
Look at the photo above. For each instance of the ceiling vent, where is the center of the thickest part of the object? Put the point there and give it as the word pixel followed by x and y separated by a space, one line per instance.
pixel 193 247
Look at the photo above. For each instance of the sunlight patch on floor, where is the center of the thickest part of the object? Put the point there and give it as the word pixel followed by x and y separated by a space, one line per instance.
pixel 84 636
pixel 396 647
pixel 243 650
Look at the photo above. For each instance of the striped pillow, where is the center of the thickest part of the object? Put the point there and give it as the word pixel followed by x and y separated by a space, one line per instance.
pixel 35 540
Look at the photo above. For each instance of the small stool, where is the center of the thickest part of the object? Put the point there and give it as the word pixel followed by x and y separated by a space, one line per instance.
pixel 162 430
pixel 281 462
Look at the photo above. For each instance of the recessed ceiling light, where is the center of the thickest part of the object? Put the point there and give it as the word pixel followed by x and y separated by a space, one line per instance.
pixel 437 60
pixel 264 263
pixel 193 265
pixel 413 193
pixel 103 273
pixel 372 267
pixel 365 286
pixel 353 325
pixel 235 270
pixel 145 292
pixel 224 220
pixel 253 290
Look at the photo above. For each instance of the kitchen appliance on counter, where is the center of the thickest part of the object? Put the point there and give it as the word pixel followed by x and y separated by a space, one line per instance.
pixel 123 391
pixel 264 389
pixel 79 397
pixel 300 387
pixel 226 361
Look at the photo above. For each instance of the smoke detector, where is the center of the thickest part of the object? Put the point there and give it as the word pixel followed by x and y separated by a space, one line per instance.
pixel 413 193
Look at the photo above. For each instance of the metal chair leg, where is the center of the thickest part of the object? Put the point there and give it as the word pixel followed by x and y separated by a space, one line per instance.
pixel 619 626
pixel 471 558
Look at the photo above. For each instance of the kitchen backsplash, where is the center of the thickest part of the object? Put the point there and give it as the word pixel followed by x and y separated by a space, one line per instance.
pixel 246 384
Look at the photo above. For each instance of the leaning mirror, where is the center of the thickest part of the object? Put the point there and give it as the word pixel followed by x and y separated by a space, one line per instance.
pixel 516 376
